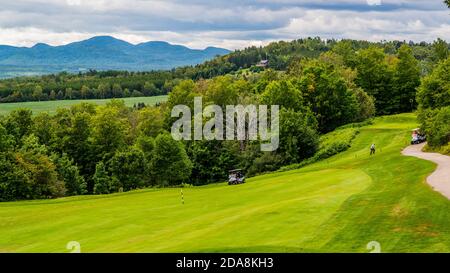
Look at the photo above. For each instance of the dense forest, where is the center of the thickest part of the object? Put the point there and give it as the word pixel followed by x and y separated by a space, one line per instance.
pixel 118 84
pixel 319 86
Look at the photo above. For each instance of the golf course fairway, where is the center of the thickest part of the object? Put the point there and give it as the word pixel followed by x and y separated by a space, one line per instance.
pixel 336 205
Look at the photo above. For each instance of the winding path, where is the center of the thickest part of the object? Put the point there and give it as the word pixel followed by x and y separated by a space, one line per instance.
pixel 440 178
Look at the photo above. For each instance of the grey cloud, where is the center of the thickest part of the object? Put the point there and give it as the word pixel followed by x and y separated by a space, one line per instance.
pixel 221 22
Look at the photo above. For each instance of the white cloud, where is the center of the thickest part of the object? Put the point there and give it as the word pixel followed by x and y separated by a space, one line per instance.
pixel 74 2
pixel 373 26
pixel 231 24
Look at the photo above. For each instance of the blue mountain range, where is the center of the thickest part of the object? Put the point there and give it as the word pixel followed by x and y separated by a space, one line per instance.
pixel 99 53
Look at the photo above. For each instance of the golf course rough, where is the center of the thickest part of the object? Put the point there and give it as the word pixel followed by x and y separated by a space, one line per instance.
pixel 336 205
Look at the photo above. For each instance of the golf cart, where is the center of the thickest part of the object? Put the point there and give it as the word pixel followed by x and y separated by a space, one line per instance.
pixel 236 177
pixel 417 136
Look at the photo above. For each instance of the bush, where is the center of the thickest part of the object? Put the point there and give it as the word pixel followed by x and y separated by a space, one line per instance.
pixel 69 173
pixel 436 125
pixel 102 181
pixel 330 144
pixel 267 162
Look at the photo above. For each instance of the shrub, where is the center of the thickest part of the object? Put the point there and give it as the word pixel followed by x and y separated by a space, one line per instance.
pixel 330 144
pixel 436 125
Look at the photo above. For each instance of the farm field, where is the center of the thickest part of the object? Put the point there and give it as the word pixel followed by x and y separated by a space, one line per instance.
pixel 51 106
pixel 336 205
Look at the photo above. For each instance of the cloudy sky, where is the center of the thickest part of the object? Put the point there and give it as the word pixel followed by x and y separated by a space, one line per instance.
pixel 225 23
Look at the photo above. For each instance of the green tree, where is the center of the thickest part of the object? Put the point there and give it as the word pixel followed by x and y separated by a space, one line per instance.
pixel 375 76
pixel 221 91
pixel 73 137
pixel 366 105
pixel 68 173
pixel 39 169
pixel 60 95
pixel 150 89
pixel 182 94
pixel 128 167
pixel 433 97
pixel 436 124
pixel 19 123
pixel 170 163
pixel 406 81
pixel 146 144
pixel 284 94
pixel 103 91
pixel 109 131
pixel 328 95
pixel 298 137
pixel 44 128
pixel 211 160
pixel 434 91
pixel 37 93
pixel 150 121
pixel 14 182
pixel 68 94
pixel 84 92
pixel 52 95
pixel 268 76
pixel 102 181
pixel 126 93
pixel 345 49
pixel 440 50
pixel 117 91
pixel 6 140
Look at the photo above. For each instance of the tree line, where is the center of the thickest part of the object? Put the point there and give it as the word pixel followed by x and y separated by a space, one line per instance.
pixel 118 84
pixel 433 97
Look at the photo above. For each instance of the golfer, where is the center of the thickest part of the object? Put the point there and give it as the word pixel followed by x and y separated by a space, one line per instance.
pixel 372 149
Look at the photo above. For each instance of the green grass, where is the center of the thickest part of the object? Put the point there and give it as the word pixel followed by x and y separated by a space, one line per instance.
pixel 445 150
pixel 51 106
pixel 336 205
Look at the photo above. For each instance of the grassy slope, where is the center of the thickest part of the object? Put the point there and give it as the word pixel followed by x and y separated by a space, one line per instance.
pixel 336 205
pixel 51 106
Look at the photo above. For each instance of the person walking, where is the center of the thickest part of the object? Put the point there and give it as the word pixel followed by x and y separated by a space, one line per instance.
pixel 372 149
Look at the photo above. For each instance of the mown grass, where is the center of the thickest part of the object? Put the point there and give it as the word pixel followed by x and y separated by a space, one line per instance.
pixel 52 106
pixel 336 205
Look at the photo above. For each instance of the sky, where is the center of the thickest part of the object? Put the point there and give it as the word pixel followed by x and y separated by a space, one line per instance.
pixel 230 24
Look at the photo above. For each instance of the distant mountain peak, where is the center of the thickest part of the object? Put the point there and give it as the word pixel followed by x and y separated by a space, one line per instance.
pixel 157 43
pixel 41 45
pixel 101 53
pixel 103 40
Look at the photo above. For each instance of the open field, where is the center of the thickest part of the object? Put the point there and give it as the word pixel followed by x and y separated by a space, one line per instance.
pixel 336 205
pixel 51 106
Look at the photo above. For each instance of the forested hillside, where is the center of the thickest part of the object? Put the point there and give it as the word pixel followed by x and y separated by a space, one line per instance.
pixel 280 55
pixel 88 149
pixel 318 85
